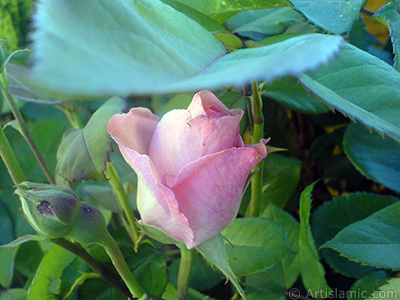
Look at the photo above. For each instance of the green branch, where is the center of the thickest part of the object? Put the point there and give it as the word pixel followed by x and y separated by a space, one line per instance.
pixel 115 182
pixel 185 269
pixel 257 136
pixel 25 133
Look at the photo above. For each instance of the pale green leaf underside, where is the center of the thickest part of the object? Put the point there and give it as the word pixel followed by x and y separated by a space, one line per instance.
pixel 123 47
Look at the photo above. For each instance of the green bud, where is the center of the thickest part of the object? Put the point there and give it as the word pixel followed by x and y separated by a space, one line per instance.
pixel 90 226
pixel 51 210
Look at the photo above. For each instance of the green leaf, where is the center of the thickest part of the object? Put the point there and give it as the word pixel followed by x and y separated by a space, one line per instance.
pixel 289 267
pixel 376 158
pixel 149 268
pixel 260 23
pixel 336 16
pixel 291 94
pixel 14 294
pixel 373 240
pixel 353 86
pixel 391 290
pixel 339 213
pixel 281 177
pixel 104 196
pixel 7 256
pixel 202 276
pixel 47 282
pixel 154 50
pixel 255 245
pixel 214 251
pixel 230 41
pixel 391 19
pixel 83 153
pixel 205 21
pixel 364 287
pixel 223 10
pixel 14 27
pixel 23 239
pixel 312 271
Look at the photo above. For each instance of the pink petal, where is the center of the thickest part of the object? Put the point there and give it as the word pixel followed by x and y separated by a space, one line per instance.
pixel 156 203
pixel 135 129
pixel 180 139
pixel 209 190
pixel 206 103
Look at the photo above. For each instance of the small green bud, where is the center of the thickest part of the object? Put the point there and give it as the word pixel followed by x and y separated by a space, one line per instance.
pixel 90 226
pixel 51 210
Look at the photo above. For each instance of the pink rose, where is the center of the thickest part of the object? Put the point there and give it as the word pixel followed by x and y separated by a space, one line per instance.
pixel 192 166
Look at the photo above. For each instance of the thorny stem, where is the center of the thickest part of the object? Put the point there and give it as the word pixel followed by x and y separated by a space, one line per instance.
pixel 257 136
pixel 115 182
pixel 25 133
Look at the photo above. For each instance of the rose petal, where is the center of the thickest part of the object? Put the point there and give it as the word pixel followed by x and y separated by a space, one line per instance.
pixel 209 190
pixel 157 203
pixel 206 103
pixel 135 129
pixel 179 139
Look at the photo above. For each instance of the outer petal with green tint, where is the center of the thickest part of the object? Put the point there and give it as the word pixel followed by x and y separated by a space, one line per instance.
pixel 108 47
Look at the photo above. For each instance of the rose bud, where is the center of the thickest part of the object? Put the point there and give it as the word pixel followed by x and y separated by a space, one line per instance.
pixel 192 166
pixel 91 227
pixel 50 209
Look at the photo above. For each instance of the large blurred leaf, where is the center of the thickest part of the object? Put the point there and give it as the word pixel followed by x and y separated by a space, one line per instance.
pixel 376 158
pixel 312 271
pixel 329 219
pixel 255 245
pixel 222 10
pixel 362 87
pixel 389 16
pixel 373 240
pixel 110 47
pixel 83 153
pixel 335 16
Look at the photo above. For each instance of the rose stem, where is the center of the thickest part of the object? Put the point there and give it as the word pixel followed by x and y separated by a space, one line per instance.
pixel 113 251
pixel 258 135
pixel 185 267
pixel 25 133
pixel 115 182
pixel 80 252
pixel 11 162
